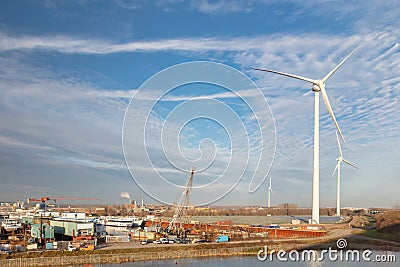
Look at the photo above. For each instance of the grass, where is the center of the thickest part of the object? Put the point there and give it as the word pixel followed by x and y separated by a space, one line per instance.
pixel 366 222
pixel 381 235
pixel 128 250
pixel 252 248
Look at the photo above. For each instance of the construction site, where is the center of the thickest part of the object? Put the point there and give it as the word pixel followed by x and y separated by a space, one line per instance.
pixel 45 224
pixel 42 231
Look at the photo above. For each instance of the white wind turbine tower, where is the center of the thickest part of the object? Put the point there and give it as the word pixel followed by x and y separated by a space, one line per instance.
pixel 269 192
pixel 337 168
pixel 318 86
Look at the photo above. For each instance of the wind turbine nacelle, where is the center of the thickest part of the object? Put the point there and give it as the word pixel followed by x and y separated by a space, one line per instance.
pixel 316 88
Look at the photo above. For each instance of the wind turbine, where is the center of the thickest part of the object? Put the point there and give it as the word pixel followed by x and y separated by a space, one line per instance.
pixel 318 86
pixel 269 192
pixel 337 168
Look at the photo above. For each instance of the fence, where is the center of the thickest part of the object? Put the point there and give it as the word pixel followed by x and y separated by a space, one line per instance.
pixel 123 257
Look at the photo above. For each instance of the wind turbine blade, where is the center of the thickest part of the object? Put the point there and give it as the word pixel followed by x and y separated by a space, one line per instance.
pixel 338 143
pixel 273 192
pixel 289 75
pixel 270 182
pixel 329 108
pixel 337 165
pixel 338 66
pixel 351 164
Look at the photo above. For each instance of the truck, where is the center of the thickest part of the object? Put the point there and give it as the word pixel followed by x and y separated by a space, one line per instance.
pixel 222 238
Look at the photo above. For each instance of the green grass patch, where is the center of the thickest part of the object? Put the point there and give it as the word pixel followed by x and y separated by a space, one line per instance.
pixel 159 248
pixel 381 235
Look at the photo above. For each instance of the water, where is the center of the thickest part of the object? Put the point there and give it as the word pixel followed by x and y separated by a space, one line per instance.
pixel 254 262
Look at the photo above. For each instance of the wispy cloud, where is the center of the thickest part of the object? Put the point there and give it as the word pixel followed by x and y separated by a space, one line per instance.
pixel 221 6
pixel 129 4
pixel 67 121
pixel 13 142
pixel 67 44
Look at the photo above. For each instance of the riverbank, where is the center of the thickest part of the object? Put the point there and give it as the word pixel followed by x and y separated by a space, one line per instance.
pixel 124 257
pixel 132 251
pixel 188 251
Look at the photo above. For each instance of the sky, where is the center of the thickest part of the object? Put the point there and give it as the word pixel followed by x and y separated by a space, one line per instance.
pixel 103 97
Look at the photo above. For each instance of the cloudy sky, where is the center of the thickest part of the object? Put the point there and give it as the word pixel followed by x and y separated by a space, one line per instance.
pixel 69 70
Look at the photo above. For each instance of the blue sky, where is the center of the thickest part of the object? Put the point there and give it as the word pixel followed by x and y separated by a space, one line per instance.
pixel 69 69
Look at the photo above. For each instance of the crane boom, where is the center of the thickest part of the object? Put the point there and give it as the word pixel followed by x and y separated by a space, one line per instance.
pixel 45 199
pixel 74 198
pixel 183 203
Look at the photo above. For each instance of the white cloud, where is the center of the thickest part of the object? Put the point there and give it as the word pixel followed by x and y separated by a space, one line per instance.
pixel 364 95
pixel 129 4
pixel 67 44
pixel 12 142
pixel 221 6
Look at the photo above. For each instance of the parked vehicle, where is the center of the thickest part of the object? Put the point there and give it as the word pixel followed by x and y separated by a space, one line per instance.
pixel 186 241
pixel 222 238
pixel 147 241
pixel 156 242
pixel 164 240
pixel 71 247
pixel 200 241
pixel 182 240
pixel 89 247
pixel 5 250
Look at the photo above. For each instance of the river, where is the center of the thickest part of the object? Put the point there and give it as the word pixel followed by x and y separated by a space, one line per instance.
pixel 253 261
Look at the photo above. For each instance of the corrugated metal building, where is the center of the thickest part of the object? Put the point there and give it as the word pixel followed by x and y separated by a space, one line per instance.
pixel 68 228
pixel 47 231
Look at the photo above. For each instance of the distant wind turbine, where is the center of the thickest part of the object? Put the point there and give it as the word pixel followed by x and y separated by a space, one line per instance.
pixel 318 86
pixel 269 192
pixel 337 168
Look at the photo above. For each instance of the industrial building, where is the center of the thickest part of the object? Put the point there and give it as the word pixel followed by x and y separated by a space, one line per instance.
pixel 66 230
